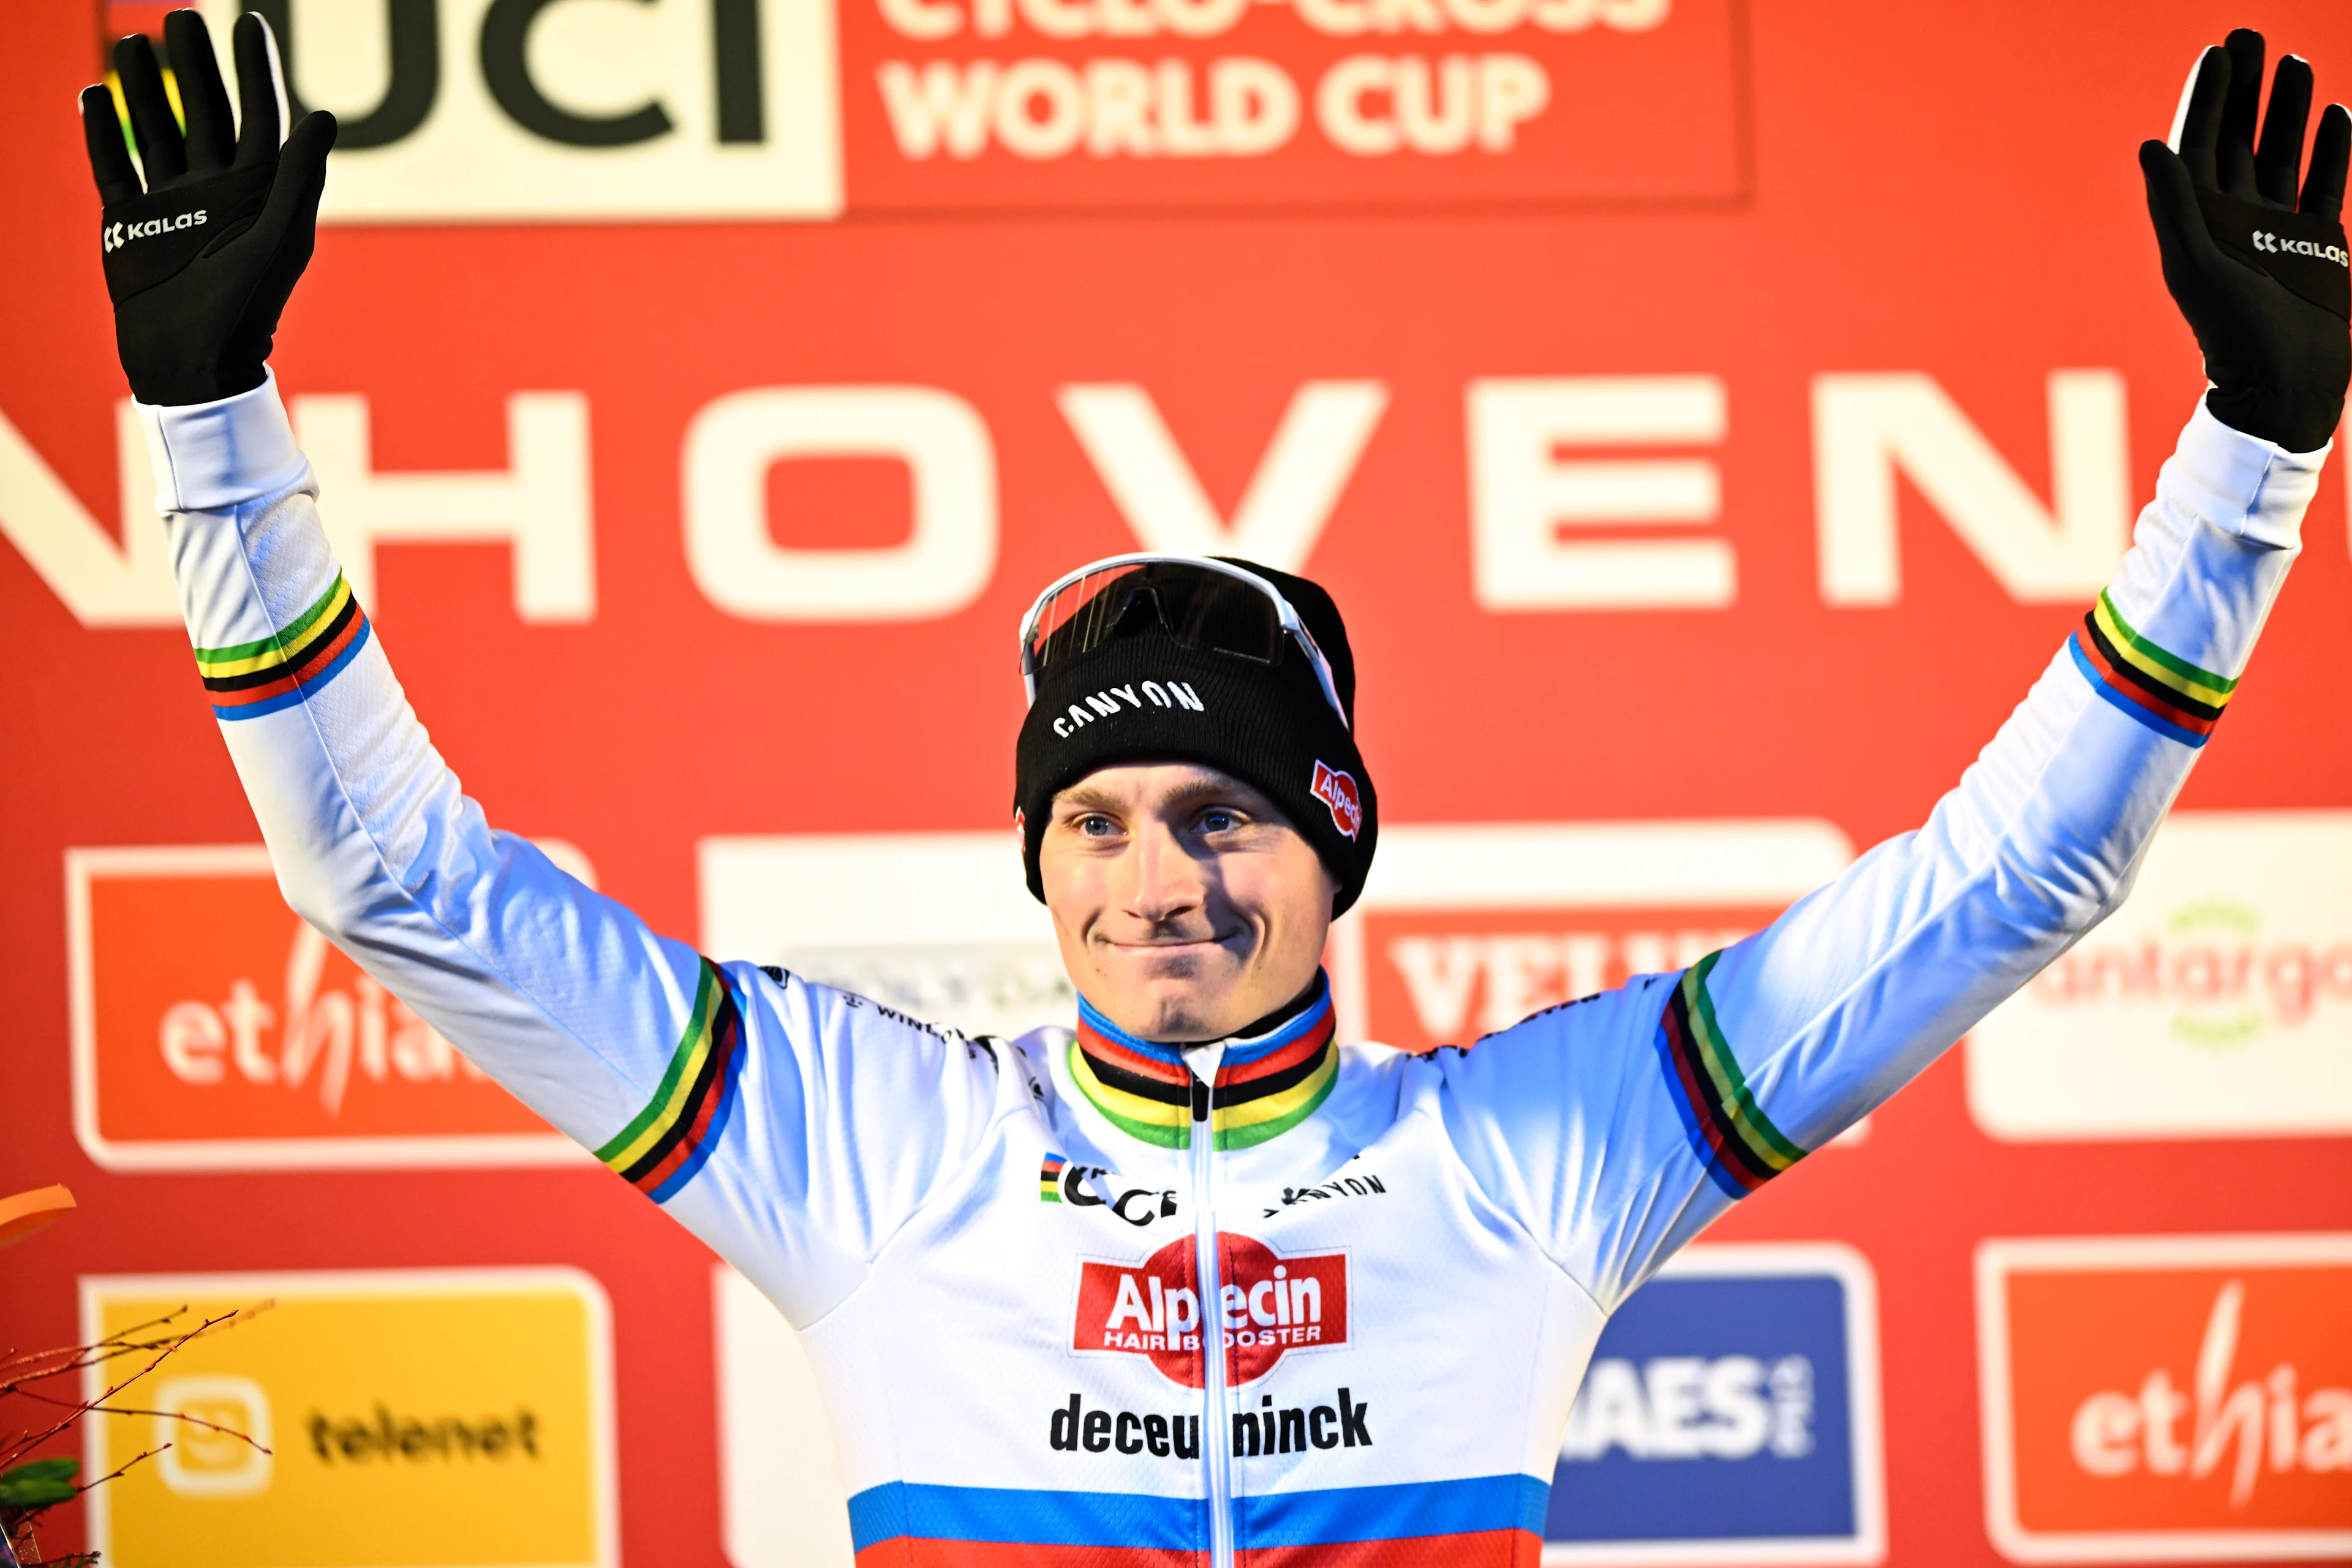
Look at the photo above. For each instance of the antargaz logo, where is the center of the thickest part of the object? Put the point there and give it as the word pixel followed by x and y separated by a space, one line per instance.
pixel 1269 1304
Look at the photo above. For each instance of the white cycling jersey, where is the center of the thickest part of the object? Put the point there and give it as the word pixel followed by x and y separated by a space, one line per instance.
pixel 1081 1300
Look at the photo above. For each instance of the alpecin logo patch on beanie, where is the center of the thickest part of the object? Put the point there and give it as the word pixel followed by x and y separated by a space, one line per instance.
pixel 1338 790
pixel 1140 697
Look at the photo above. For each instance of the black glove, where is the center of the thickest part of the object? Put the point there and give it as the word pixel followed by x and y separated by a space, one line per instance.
pixel 2260 277
pixel 201 261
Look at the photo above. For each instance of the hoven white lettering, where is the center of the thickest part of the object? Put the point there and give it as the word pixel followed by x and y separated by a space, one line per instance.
pixel 331 1030
pixel 1107 703
pixel 1691 1407
pixel 1509 975
pixel 2115 1433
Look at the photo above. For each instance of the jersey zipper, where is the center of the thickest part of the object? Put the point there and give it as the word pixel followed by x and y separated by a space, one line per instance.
pixel 1216 1448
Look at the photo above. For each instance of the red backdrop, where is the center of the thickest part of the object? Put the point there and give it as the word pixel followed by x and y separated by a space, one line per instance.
pixel 1945 189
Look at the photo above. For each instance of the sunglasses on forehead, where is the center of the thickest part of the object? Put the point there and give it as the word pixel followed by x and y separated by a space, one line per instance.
pixel 1199 603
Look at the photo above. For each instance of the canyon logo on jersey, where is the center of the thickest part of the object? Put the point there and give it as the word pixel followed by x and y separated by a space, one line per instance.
pixel 1270 1305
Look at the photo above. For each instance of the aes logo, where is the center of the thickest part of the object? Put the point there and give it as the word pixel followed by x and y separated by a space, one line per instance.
pixel 490 110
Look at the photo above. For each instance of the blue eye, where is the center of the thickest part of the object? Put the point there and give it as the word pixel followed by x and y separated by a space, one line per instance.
pixel 1219 821
pixel 1097 827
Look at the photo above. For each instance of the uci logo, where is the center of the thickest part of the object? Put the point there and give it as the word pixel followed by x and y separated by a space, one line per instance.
pixel 486 109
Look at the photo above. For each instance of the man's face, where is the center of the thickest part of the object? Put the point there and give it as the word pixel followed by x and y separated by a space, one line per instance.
pixel 1185 903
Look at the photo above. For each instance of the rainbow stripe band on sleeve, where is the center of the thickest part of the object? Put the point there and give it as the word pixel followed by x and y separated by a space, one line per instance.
pixel 2162 690
pixel 1747 1151
pixel 251 678
pixel 660 1150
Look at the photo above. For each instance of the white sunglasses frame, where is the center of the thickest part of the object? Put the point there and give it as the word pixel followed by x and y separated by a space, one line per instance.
pixel 1285 613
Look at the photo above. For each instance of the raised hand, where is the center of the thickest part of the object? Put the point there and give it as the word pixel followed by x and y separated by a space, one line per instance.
pixel 2259 270
pixel 201 257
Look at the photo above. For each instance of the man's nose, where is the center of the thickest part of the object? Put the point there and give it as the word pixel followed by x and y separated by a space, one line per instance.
pixel 1165 881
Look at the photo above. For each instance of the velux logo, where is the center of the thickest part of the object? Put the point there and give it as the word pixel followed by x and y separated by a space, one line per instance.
pixel 1267 1304
pixel 2167 1398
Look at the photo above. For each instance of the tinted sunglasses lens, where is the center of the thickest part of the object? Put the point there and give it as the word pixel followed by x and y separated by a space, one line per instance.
pixel 1198 608
pixel 1082 615
pixel 1224 615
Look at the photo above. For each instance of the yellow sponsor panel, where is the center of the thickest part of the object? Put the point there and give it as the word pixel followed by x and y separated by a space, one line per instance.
pixel 400 1418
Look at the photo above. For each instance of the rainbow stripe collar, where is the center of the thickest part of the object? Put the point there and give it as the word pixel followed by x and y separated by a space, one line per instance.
pixel 1266 1084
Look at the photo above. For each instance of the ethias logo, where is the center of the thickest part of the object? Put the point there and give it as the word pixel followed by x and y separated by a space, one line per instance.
pixel 1268 1305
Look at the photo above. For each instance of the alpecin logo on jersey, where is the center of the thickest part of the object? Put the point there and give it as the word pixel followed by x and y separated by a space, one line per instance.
pixel 1338 791
pixel 1271 1305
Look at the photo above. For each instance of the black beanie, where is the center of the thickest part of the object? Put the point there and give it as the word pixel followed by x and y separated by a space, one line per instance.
pixel 1142 697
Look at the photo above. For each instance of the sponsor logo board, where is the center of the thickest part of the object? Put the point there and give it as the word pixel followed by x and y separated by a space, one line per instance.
pixel 2215 1002
pixel 399 1417
pixel 1730 1413
pixel 1466 929
pixel 782 1502
pixel 2166 1399
pixel 474 111
pixel 893 916
pixel 213 1029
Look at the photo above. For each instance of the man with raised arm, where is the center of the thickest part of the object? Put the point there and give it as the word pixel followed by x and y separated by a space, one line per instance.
pixel 1050 1286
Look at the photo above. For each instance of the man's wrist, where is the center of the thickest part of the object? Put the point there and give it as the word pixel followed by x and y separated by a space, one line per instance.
pixel 223 452
pixel 2304 423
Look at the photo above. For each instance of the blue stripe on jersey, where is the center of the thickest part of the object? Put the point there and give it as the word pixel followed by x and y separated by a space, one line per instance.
pixel 308 688
pixel 2128 707
pixel 1005 1516
pixel 1392 1513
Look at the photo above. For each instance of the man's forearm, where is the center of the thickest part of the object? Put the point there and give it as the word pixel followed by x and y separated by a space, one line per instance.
pixel 373 838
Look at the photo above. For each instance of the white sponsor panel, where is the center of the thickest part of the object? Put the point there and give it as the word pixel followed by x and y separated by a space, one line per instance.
pixel 2217 1003
pixel 783 1503
pixel 938 925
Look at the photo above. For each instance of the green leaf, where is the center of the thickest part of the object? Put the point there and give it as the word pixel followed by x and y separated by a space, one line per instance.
pixel 40 1483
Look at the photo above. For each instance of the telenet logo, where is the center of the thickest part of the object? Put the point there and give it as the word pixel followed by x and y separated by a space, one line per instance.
pixel 397 1418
